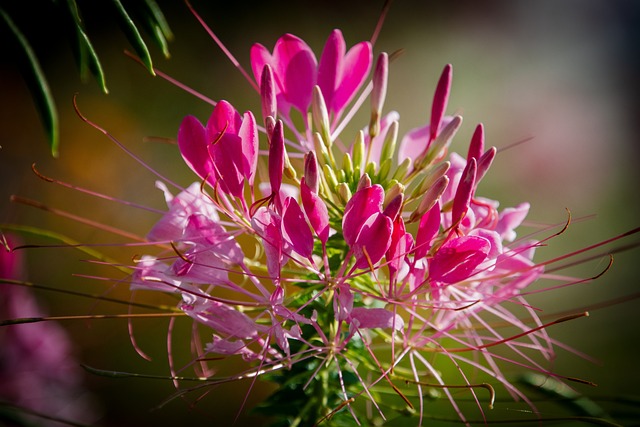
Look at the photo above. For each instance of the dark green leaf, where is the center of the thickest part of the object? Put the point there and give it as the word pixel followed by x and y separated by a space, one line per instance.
pixel 161 40
pixel 159 19
pixel 87 56
pixel 159 28
pixel 37 82
pixel 134 37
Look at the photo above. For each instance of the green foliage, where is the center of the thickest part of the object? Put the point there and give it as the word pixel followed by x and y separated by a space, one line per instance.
pixel 153 22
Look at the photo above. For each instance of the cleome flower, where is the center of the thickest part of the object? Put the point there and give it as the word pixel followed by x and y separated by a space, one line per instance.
pixel 382 273
pixel 363 273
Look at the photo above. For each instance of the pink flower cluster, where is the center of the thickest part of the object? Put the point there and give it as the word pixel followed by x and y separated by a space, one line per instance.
pixel 372 254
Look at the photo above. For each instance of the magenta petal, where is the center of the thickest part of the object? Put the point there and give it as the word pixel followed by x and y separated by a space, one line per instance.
pixel 219 317
pixel 401 242
pixel 414 143
pixel 260 56
pixel 226 147
pixel 316 211
pixel 223 118
pixel 359 208
pixel 192 142
pixel 495 242
pixel 427 229
pixel 267 224
pixel 295 229
pixel 509 219
pixel 212 237
pixel 373 240
pixel 189 202
pixel 229 347
pixel 355 68
pixel 457 259
pixel 200 267
pixel 296 68
pixel 330 67
pixel 151 274
pixel 464 193
pixel 369 318
pixel 343 302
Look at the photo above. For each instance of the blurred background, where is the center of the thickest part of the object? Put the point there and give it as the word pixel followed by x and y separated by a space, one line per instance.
pixel 562 72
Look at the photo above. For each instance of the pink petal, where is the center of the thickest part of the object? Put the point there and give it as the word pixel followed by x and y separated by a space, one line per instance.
pixel 223 118
pixel 330 67
pixel 464 193
pixel 295 229
pixel 151 274
pixel 369 318
pixel 202 267
pixel 260 56
pixel 192 142
pixel 457 259
pixel 316 211
pixel 229 347
pixel 427 229
pixel 511 218
pixel 354 70
pixel 295 68
pixel 363 204
pixel 373 240
pixel 401 242
pixel 210 235
pixel 226 147
pixel 495 242
pixel 189 202
pixel 219 317
pixel 343 302
pixel 267 224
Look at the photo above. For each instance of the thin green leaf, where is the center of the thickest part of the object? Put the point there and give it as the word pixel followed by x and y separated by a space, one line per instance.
pixel 37 82
pixel 87 56
pixel 159 19
pixel 161 40
pixel 119 374
pixel 134 37
pixel 566 396
pixel 67 241
pixel 157 25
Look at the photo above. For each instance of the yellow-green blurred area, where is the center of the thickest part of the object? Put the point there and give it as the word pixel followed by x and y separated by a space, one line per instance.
pixel 562 72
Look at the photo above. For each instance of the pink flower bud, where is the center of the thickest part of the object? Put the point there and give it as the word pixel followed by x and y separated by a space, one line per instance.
pixel 268 93
pixel 440 99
